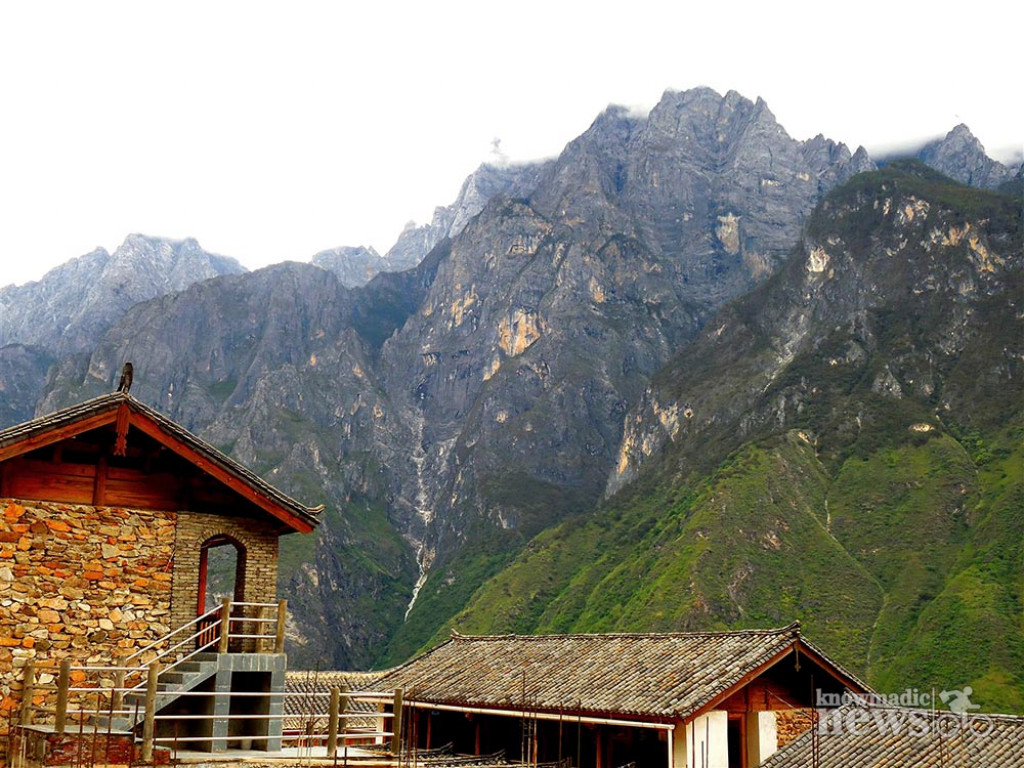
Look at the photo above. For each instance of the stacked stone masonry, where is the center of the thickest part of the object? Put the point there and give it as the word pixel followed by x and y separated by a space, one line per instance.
pixel 792 723
pixel 93 583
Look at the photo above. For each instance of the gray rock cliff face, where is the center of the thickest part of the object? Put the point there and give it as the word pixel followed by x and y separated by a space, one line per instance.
pixel 485 182
pixel 72 306
pixel 23 373
pixel 899 290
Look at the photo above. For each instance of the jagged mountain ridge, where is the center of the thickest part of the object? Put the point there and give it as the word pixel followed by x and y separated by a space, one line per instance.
pixel 357 266
pixel 453 411
pixel 73 304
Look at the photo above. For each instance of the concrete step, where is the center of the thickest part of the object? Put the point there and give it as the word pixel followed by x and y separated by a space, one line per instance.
pixel 114 725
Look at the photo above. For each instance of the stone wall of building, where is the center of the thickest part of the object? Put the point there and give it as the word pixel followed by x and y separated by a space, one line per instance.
pixel 93 583
pixel 81 582
pixel 791 723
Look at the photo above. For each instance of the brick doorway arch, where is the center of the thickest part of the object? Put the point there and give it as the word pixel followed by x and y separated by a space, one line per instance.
pixel 222 560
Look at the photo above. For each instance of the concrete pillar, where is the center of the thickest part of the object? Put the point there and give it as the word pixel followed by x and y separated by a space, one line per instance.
pixel 221 707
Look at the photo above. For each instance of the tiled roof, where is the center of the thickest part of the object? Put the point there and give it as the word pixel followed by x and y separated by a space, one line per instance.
pixel 661 676
pixel 306 696
pixel 888 737
pixel 88 411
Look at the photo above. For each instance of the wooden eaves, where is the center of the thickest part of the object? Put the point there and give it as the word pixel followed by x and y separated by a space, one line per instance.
pixel 126 412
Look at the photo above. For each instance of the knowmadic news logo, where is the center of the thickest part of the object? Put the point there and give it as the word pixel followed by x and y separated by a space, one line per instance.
pixel 908 712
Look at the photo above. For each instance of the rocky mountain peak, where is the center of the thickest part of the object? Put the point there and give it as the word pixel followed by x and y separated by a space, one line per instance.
pixel 144 267
pixel 353 265
pixel 705 123
pixel 485 182
pixel 961 156
pixel 73 304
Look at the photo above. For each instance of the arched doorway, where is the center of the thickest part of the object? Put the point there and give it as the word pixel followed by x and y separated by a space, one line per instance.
pixel 221 575
pixel 221 572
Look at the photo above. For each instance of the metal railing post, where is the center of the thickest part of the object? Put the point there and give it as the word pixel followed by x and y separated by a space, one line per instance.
pixel 149 724
pixel 225 625
pixel 28 692
pixel 63 683
pixel 396 723
pixel 332 722
pixel 282 614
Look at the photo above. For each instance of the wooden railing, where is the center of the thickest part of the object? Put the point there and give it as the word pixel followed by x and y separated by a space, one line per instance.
pixel 326 720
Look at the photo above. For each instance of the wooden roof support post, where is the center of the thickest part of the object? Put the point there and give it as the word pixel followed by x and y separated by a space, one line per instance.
pixel 225 625
pixel 28 692
pixel 332 722
pixel 149 724
pixel 63 682
pixel 121 428
pixel 282 615
pixel 396 723
pixel 343 705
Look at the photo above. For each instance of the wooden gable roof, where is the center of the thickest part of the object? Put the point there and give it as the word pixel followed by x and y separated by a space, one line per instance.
pixel 668 676
pixel 118 429
pixel 884 736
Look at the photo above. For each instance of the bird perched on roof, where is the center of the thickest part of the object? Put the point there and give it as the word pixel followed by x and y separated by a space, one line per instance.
pixel 126 378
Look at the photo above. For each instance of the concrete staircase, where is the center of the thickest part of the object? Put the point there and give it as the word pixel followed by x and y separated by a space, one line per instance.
pixel 171 685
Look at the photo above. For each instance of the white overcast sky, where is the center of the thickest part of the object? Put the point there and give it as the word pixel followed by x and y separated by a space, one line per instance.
pixel 273 131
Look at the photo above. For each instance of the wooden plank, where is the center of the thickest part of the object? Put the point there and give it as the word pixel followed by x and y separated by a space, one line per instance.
pixel 100 484
pixel 49 468
pixel 143 493
pixel 73 490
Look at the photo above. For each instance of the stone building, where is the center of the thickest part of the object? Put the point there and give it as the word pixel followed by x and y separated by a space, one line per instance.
pixel 109 516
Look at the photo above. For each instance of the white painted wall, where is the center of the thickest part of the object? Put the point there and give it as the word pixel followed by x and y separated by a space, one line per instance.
pixel 702 743
pixel 762 737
